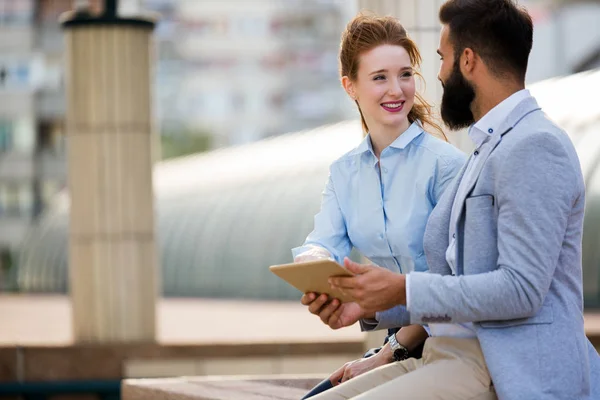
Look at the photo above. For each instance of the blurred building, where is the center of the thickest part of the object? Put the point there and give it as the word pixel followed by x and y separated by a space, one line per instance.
pixel 245 70
pixel 566 37
pixel 238 71
pixel 32 161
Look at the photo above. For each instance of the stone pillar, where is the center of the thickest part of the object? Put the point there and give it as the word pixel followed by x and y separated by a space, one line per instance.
pixel 112 254
pixel 420 18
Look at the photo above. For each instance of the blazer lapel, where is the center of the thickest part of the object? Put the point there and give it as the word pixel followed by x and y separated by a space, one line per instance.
pixel 525 107
pixel 522 109
pixel 436 239
pixel 448 199
pixel 472 178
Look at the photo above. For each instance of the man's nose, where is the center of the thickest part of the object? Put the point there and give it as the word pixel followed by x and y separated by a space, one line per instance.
pixel 440 79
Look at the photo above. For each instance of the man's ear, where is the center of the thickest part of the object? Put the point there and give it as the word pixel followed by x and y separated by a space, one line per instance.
pixel 349 87
pixel 468 61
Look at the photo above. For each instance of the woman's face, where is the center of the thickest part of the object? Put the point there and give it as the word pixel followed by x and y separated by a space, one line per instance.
pixel 384 87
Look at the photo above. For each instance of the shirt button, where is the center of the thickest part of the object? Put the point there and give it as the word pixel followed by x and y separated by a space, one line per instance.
pixel 476 153
pixel 490 130
pixel 385 170
pixel 454 236
pixel 381 236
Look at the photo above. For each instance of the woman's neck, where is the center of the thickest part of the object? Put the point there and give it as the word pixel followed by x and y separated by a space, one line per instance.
pixel 382 136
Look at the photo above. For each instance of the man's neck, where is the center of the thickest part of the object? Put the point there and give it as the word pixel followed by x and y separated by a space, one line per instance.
pixel 494 94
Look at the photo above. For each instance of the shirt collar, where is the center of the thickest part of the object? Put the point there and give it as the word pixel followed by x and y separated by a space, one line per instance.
pixel 490 122
pixel 413 131
pixel 364 146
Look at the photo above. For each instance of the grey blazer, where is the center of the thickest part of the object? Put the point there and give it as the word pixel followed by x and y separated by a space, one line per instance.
pixel 518 274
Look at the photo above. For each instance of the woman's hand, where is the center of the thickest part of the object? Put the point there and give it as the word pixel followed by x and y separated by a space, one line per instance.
pixel 333 313
pixel 355 368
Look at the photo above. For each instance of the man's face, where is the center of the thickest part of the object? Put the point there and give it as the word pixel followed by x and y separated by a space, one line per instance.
pixel 458 92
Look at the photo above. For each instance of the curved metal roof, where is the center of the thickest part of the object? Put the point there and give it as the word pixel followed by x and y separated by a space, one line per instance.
pixel 224 216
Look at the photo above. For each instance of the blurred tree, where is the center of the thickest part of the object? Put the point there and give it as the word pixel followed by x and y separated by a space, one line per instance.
pixel 184 142
pixel 7 272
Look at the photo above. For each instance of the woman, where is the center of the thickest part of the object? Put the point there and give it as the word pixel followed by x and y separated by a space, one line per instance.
pixel 379 195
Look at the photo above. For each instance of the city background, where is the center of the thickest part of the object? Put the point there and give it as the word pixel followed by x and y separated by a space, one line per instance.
pixel 227 74
pixel 247 115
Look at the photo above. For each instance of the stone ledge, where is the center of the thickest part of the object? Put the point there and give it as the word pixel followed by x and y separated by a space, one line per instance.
pixel 281 387
pixel 105 362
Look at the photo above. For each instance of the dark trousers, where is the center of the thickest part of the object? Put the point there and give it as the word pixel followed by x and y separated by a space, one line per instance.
pixel 326 383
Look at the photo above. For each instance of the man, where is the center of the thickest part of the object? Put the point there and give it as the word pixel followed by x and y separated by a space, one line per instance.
pixel 503 296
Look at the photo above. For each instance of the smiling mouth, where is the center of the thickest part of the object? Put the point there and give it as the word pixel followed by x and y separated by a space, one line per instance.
pixel 393 107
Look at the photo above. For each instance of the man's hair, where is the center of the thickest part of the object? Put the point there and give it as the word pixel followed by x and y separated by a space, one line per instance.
pixel 499 31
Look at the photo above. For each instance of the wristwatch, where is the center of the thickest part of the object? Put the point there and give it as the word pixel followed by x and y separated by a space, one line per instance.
pixel 399 352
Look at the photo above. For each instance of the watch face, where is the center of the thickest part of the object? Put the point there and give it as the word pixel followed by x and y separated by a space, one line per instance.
pixel 400 354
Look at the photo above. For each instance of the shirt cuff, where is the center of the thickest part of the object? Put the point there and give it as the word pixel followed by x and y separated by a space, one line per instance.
pixel 395 317
pixel 368 324
pixel 296 251
pixel 312 252
pixel 427 329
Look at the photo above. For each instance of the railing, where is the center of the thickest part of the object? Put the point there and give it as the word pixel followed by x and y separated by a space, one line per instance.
pixel 104 390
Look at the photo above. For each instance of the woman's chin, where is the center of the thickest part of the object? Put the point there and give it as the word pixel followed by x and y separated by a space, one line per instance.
pixel 396 121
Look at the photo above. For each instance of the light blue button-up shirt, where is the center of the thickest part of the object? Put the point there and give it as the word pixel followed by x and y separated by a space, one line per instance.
pixel 382 210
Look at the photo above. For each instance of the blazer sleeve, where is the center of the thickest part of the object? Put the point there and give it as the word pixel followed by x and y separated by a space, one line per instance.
pixel 537 186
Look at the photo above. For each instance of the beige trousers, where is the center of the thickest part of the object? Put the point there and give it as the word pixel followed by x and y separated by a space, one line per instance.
pixel 451 368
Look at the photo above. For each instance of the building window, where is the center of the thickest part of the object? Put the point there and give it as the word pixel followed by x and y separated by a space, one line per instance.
pixel 50 10
pixel 9 199
pixel 16 199
pixel 16 12
pixel 6 136
pixel 15 73
pixel 49 191
pixel 51 136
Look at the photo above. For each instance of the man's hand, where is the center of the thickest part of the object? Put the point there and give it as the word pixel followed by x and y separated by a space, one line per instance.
pixel 355 368
pixel 373 288
pixel 333 313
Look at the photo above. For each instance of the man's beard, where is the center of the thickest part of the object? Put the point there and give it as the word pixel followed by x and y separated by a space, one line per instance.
pixel 456 100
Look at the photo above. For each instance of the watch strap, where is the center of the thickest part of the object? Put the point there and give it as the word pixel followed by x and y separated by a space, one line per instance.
pixel 399 352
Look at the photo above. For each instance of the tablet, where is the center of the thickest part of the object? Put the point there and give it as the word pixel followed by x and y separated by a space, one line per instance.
pixel 311 276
